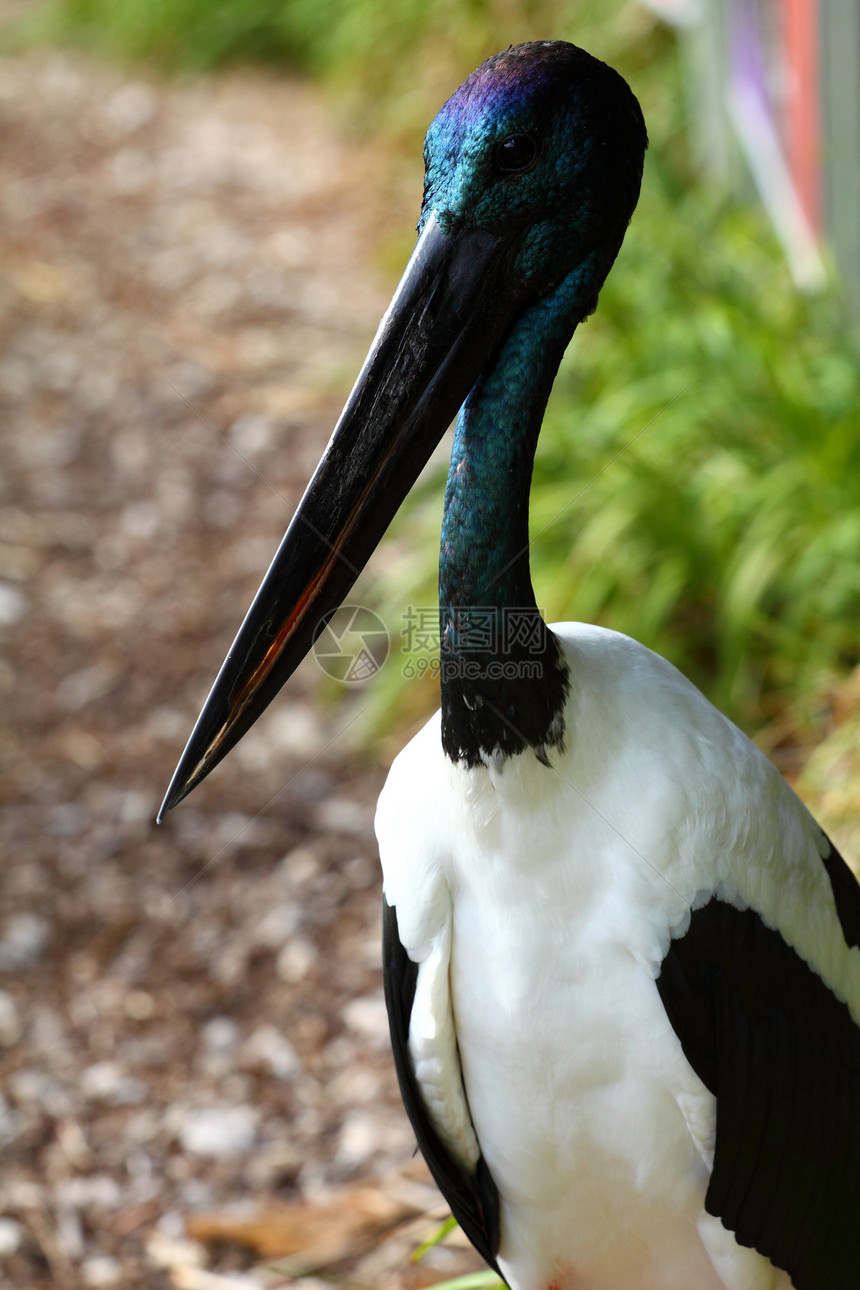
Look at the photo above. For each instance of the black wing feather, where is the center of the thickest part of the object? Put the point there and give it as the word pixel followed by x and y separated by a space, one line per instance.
pixel 474 1198
pixel 846 893
pixel 781 1054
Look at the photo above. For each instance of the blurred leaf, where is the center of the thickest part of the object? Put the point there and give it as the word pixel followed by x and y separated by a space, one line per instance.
pixel 438 1236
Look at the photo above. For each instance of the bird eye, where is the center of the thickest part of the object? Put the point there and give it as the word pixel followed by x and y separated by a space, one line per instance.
pixel 515 155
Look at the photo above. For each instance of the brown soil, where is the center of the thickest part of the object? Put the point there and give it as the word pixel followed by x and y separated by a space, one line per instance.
pixel 190 1016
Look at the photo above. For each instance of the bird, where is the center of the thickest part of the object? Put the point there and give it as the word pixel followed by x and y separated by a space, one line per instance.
pixel 620 957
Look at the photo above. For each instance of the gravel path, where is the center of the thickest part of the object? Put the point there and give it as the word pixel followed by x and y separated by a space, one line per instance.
pixel 191 1017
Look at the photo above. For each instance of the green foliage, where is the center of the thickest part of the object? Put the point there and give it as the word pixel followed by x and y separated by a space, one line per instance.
pixel 397 59
pixel 726 535
pixel 444 1228
pixel 192 34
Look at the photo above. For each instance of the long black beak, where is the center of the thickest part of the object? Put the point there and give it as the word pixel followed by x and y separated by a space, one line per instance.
pixel 456 299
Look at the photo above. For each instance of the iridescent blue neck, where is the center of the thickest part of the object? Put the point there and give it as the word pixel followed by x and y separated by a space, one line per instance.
pixel 504 682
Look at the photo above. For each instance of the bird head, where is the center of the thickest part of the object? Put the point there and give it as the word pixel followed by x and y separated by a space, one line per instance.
pixel 542 144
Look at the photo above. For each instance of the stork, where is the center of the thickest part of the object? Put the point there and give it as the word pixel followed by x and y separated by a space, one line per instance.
pixel 620 957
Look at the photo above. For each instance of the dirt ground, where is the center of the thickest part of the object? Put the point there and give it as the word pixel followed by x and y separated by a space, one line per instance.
pixel 192 1032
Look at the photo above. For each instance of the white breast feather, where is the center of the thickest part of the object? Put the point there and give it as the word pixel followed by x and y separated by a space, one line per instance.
pixel 435 1058
pixel 566 886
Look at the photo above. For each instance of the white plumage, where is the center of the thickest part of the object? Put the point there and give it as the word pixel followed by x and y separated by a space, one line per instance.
pixel 539 904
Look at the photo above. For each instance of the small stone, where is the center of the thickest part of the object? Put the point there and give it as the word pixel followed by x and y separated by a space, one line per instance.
pixel 277 925
pixel 269 1050
pixel 356 1083
pixel 80 688
pixel 134 806
pixel 251 434
pixel 296 728
pixel 9 1122
pixel 298 867
pixel 218 1132
pixel 341 815
pixel 70 1233
pixel 10 1021
pixel 106 1082
pixel 168 1251
pixel 200 1279
pixel 368 1017
pixel 196 1194
pixel 140 520
pixel 165 723
pixel 139 1005
pixel 365 1134
pixel 48 1034
pixel 273 1165
pixel 23 1193
pixel 73 1143
pixel 295 960
pixel 131 107
pixel 24 939
pixel 67 820
pixel 11 1236
pixel 90 1191
pixel 33 1086
pixel 220 1035
pixel 170 1225
pixel 360 872
pixel 143 1126
pixel 359 1139
pixel 101 1270
pixel 12 605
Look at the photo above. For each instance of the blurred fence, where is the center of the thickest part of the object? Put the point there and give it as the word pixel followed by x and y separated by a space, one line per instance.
pixel 773 89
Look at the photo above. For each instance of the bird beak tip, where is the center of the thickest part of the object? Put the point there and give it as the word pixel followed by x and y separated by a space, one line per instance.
pixel 170 800
pixel 180 786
